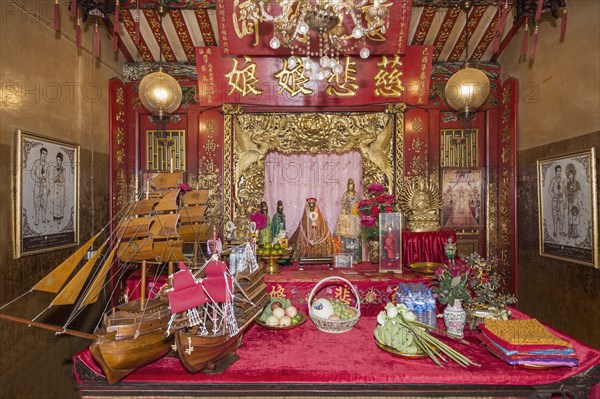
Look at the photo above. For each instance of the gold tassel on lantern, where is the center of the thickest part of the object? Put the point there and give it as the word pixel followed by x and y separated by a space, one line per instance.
pixel 56 16
pixel 96 51
pixel 78 31
pixel 116 26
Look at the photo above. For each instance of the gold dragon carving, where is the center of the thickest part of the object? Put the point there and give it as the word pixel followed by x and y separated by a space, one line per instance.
pixel 254 135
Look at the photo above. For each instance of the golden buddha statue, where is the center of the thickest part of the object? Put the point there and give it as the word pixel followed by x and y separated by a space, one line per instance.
pixel 421 201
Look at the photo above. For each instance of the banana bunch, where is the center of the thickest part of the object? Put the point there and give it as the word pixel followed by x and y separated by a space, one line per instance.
pixel 396 336
pixel 342 310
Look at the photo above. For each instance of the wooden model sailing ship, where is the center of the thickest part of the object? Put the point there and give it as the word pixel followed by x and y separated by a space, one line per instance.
pixel 152 230
pixel 219 308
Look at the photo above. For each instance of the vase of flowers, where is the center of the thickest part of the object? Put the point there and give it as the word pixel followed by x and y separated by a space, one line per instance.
pixel 451 289
pixel 377 201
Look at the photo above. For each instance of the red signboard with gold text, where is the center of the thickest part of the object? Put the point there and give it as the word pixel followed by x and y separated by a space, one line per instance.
pixel 241 34
pixel 276 81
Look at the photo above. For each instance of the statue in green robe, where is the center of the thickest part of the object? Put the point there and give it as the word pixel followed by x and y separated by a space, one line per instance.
pixel 278 222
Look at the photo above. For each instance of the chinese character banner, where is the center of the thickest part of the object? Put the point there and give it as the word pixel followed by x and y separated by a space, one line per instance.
pixel 277 81
pixel 241 34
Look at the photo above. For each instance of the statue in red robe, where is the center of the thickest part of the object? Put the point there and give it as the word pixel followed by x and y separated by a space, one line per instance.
pixel 312 238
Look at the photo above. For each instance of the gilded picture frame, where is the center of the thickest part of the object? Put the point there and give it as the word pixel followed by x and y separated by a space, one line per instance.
pixel 46 209
pixel 463 198
pixel 390 242
pixel 568 207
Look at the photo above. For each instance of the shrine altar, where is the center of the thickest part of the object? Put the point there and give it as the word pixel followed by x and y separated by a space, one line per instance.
pixel 306 361
pixel 375 288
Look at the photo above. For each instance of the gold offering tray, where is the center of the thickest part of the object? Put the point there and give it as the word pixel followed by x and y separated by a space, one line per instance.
pixel 419 355
pixel 291 327
pixel 425 267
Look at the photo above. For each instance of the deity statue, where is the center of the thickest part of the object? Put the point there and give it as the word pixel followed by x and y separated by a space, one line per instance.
pixel 278 221
pixel 264 235
pixel 348 224
pixel 450 250
pixel 312 238
pixel 421 202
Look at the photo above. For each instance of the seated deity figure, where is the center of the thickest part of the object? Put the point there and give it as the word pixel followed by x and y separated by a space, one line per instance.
pixel 312 238
pixel 421 203
pixel 348 224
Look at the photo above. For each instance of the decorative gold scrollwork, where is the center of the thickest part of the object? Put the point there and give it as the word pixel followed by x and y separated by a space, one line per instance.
pixel 252 136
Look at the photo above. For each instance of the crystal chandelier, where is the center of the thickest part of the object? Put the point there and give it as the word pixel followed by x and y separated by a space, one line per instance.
pixel 336 27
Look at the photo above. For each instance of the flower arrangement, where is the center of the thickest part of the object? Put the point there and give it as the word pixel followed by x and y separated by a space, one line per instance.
pixel 487 284
pixel 474 280
pixel 452 283
pixel 259 218
pixel 378 201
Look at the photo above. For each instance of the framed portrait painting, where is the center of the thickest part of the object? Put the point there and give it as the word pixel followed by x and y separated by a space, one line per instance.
pixel 462 198
pixel 47 194
pixel 567 203
pixel 390 242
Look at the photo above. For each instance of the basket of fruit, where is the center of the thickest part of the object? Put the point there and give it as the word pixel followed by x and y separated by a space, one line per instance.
pixel 280 314
pixel 331 315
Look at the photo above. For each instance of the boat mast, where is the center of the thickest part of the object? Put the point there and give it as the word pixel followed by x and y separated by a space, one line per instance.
pixel 143 286
pixel 49 327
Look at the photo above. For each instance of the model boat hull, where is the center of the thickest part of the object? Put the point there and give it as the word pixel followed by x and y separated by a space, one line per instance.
pixel 119 358
pixel 198 353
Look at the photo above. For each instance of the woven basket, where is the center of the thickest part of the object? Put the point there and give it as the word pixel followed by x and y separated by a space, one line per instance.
pixel 334 326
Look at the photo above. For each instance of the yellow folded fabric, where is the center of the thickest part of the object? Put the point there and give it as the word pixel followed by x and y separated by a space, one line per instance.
pixel 523 332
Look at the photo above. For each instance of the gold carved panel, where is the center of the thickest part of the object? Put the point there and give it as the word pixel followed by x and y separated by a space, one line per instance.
pixel 252 136
pixel 458 148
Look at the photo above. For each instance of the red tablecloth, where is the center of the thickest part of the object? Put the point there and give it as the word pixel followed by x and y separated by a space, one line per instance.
pixel 375 289
pixel 426 246
pixel 153 284
pixel 306 355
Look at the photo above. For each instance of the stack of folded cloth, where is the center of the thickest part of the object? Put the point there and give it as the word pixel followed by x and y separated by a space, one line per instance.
pixel 526 343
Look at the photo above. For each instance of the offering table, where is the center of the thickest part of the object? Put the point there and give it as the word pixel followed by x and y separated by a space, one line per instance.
pixel 374 288
pixel 305 361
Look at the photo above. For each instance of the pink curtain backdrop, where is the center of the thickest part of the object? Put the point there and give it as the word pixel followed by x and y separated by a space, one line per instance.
pixel 294 178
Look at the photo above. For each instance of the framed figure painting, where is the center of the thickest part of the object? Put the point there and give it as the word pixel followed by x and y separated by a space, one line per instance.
pixel 567 202
pixel 390 242
pixel 47 194
pixel 462 198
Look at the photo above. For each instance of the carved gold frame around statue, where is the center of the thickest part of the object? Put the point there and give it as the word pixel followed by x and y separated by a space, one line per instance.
pixel 248 138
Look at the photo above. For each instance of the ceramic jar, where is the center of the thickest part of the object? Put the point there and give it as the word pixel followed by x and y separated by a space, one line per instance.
pixel 455 318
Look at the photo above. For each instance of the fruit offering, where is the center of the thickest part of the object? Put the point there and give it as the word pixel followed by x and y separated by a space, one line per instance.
pixel 280 313
pixel 342 310
pixel 268 249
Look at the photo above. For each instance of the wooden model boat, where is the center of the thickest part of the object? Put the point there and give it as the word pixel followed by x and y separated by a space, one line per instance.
pixel 220 307
pixel 132 334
